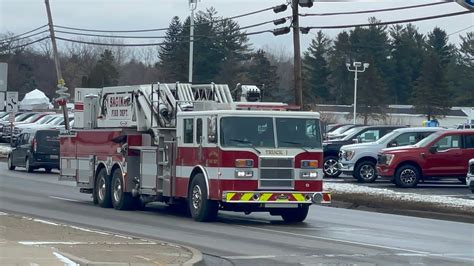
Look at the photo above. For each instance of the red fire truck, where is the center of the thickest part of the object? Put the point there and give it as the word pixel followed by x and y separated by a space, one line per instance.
pixel 182 143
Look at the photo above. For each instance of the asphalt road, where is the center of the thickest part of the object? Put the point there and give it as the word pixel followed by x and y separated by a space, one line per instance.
pixel 329 236
pixel 444 187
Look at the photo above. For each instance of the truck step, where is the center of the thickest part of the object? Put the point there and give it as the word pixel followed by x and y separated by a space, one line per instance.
pixel 86 190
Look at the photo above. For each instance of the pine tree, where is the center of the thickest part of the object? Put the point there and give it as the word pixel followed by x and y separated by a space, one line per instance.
pixel 316 71
pixel 340 78
pixel 104 72
pixel 173 63
pixel 262 72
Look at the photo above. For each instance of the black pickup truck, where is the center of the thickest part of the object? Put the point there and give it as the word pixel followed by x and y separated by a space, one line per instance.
pixel 355 135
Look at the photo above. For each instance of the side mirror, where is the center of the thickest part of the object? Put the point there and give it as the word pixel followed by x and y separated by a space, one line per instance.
pixel 433 149
pixel 355 140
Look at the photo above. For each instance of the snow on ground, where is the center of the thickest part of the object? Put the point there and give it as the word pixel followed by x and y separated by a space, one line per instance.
pixel 5 150
pixel 399 196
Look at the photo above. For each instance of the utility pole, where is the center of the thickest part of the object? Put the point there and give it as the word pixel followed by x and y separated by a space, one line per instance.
pixel 297 55
pixel 192 6
pixel 62 99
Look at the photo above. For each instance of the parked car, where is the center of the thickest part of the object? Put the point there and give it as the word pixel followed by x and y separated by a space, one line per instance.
pixel 42 121
pixel 359 160
pixel 470 175
pixel 32 119
pixel 360 134
pixel 39 149
pixel 5 123
pixel 465 126
pixel 442 154
pixel 338 133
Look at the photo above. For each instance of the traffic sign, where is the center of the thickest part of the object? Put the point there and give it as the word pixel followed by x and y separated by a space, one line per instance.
pixel 12 101
pixel 2 101
pixel 3 76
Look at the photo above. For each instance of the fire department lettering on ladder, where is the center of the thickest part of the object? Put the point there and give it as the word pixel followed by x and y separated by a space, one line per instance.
pixel 119 107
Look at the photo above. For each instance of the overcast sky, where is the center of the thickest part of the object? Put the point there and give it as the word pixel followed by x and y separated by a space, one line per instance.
pixel 18 16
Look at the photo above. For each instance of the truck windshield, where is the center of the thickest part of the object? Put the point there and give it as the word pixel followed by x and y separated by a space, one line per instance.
pixel 260 132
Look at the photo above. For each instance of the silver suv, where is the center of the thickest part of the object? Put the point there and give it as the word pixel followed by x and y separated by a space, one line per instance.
pixel 359 160
pixel 470 175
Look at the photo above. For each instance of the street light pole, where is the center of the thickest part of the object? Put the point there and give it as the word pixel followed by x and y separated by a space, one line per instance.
pixel 192 6
pixel 356 71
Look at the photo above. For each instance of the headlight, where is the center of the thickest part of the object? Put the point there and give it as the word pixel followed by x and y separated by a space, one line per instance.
pixel 243 173
pixel 389 158
pixel 348 155
pixel 309 174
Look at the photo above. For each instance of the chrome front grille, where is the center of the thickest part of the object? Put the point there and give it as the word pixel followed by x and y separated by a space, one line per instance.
pixel 276 173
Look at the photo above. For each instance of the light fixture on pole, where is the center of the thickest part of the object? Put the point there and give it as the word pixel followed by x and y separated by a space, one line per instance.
pixel 356 70
pixel 192 7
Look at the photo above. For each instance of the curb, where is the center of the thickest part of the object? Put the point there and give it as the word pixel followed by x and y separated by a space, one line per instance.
pixel 196 259
pixel 373 203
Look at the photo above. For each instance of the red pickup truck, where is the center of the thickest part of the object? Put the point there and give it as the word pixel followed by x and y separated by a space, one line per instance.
pixel 442 154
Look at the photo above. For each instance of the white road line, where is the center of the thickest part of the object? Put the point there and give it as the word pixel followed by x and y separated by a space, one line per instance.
pixel 66 260
pixel 65 199
pixel 250 257
pixel 335 240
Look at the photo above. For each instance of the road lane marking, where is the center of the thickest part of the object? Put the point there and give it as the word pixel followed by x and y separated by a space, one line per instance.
pixel 65 199
pixel 335 240
pixel 250 257
pixel 65 260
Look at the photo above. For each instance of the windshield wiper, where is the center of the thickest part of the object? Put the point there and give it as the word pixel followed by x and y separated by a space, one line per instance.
pixel 246 142
pixel 296 143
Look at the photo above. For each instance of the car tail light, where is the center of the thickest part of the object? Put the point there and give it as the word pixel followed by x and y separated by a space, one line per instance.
pixel 35 145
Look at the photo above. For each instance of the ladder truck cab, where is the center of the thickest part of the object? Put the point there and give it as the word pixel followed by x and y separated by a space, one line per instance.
pixel 182 143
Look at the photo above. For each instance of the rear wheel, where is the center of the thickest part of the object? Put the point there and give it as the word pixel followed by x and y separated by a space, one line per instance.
pixel 407 176
pixel 10 163
pixel 120 200
pixel 201 208
pixel 47 169
pixel 28 166
pixel 296 215
pixel 365 172
pixel 102 189
pixel 331 166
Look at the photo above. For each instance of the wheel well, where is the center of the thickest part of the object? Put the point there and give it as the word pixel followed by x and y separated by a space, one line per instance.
pixel 99 167
pixel 332 153
pixel 197 170
pixel 412 163
pixel 367 158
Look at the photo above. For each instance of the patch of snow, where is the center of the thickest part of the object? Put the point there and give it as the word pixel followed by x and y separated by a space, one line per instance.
pixel 88 230
pixel 401 196
pixel 3 213
pixel 45 222
pixel 5 150
pixel 33 243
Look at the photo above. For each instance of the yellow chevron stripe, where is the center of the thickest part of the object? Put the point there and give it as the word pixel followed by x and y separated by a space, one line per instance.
pixel 265 196
pixel 299 197
pixel 229 196
pixel 246 197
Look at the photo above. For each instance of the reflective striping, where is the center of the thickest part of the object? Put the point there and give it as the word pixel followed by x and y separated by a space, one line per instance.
pixel 264 197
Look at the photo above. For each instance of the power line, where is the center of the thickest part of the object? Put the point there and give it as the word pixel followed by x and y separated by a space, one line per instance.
pixel 461 30
pixel 24 37
pixel 374 10
pixel 386 22
pixel 24 33
pixel 149 44
pixel 164 29
pixel 29 43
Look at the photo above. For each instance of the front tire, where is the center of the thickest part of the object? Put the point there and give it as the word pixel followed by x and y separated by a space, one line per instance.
pixel 10 163
pixel 102 189
pixel 295 215
pixel 201 208
pixel 47 169
pixel 407 176
pixel 120 200
pixel 331 166
pixel 365 172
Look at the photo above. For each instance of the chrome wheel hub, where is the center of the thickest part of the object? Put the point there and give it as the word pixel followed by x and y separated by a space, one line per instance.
pixel 408 176
pixel 197 197
pixel 102 188
pixel 117 190
pixel 331 167
pixel 367 172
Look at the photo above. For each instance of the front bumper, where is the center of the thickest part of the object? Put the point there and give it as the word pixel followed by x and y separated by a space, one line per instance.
pixel 385 171
pixel 346 167
pixel 277 197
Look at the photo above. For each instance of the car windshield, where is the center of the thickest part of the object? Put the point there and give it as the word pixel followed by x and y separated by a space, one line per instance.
pixel 424 142
pixel 23 117
pixel 387 137
pixel 349 134
pixel 32 118
pixel 341 130
pixel 44 119
pixel 260 132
